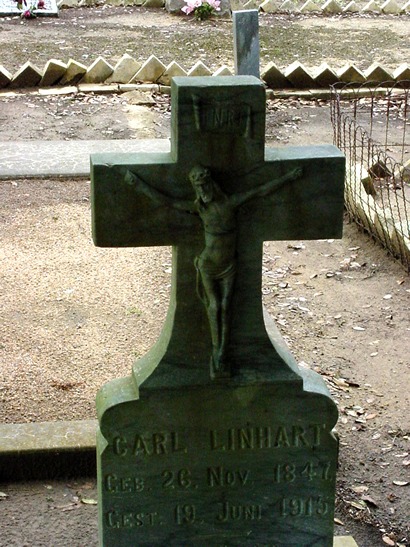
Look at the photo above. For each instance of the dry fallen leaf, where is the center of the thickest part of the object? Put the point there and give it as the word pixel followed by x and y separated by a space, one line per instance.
pixel 338 521
pixel 360 489
pixel 388 541
pixel 358 504
pixel 341 382
pixel 369 501
pixel 3 495
pixel 401 483
pixel 89 501
pixel 67 507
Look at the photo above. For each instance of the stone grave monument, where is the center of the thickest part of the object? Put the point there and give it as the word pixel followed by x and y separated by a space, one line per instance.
pixel 246 42
pixel 10 7
pixel 217 438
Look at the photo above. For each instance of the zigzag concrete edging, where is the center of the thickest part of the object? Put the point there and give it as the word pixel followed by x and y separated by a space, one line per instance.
pixel 130 71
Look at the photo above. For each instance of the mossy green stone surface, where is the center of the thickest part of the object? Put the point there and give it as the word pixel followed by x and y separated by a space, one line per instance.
pixel 238 462
pixel 247 457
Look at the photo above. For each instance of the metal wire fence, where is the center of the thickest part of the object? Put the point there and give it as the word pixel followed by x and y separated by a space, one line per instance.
pixel 371 125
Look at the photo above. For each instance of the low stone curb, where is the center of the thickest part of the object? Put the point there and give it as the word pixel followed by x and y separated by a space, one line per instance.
pixel 102 89
pixel 47 450
pixel 153 71
pixel 69 159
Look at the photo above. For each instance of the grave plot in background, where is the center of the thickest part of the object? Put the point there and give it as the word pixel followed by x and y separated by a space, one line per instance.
pixel 10 7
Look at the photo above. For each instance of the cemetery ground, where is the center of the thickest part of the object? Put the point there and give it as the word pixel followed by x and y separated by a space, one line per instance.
pixel 76 316
pixel 85 33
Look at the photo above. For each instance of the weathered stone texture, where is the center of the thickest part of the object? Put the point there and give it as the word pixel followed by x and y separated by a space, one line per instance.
pixel 28 76
pixel 199 69
pixel 378 74
pixel 268 6
pixel 391 7
pixel 172 70
pixel 324 76
pixel 5 77
pixel 371 7
pixel 269 425
pixel 351 74
pixel 309 6
pixel 287 6
pixel 299 76
pixel 97 72
pixel 274 77
pixel 53 72
pixel 223 71
pixel 150 71
pixel 124 70
pixel 351 7
pixel 75 71
pixel 331 7
pixel 402 72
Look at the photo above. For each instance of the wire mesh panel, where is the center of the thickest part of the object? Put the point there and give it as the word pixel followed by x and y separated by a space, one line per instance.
pixel 371 126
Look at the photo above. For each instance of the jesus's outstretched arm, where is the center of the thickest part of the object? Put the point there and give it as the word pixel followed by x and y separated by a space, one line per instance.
pixel 266 188
pixel 159 197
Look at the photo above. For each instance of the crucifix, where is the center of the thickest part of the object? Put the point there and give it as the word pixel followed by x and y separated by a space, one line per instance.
pixel 217 437
pixel 216 197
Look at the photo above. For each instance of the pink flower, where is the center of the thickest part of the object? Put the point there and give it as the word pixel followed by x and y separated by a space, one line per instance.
pixel 215 4
pixel 191 6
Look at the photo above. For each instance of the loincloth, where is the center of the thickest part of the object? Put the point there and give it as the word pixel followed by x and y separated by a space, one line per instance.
pixel 215 271
pixel 211 271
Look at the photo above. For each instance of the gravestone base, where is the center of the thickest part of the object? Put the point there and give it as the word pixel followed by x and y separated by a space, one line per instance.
pixel 244 461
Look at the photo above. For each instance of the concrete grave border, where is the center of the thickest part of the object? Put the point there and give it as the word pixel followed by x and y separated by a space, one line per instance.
pixel 130 71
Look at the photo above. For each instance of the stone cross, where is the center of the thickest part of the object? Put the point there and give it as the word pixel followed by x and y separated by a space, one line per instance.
pixel 225 135
pixel 234 454
pixel 246 42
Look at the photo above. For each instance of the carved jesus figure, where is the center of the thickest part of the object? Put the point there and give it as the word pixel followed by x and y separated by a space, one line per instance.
pixel 216 265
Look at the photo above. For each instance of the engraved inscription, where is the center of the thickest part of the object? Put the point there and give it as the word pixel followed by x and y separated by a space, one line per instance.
pixel 218 476
pixel 185 514
pixel 303 507
pixel 149 444
pixel 230 512
pixel 114 519
pixel 113 484
pixel 232 503
pixel 309 471
pixel 224 118
pixel 232 439
pixel 284 473
pixel 253 438
pixel 179 479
